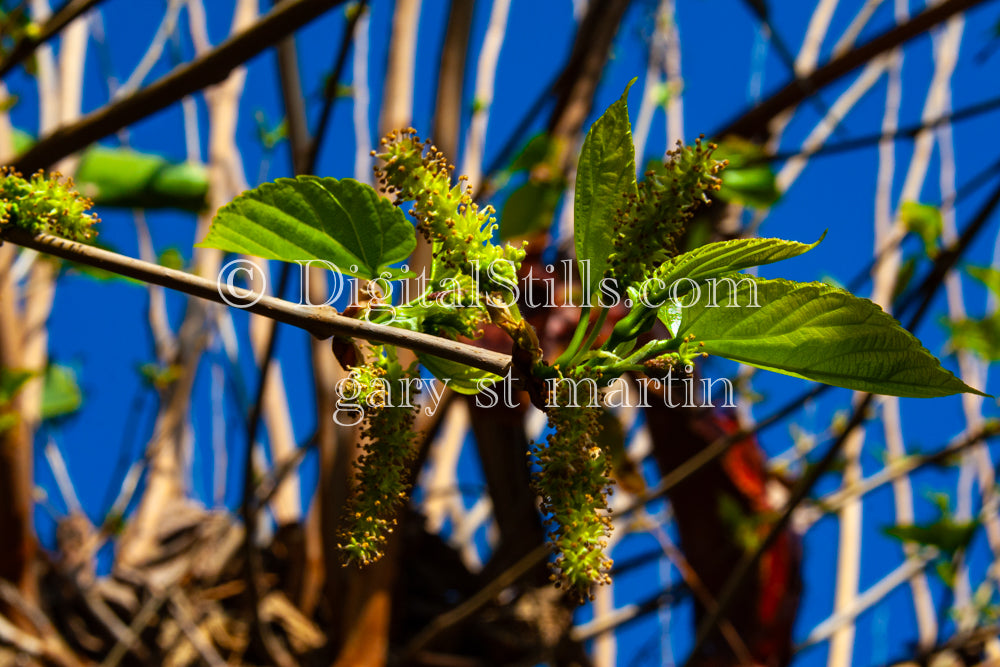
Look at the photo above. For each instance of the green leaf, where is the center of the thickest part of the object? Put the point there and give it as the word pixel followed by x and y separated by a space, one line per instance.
pixel 529 209
pixel 22 141
pixel 605 176
pixel 539 149
pixel 61 395
pixel 979 336
pixel 171 258
pixel 121 177
pixel 159 377
pixel 714 260
pixel 987 275
pixel 463 379
pixel 8 421
pixel 904 277
pixel 748 179
pixel 945 534
pixel 11 381
pixel 344 222
pixel 816 332
pixel 662 94
pixel 925 221
pixel 270 136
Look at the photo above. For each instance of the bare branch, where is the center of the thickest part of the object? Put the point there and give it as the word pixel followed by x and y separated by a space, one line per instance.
pixel 204 71
pixel 754 121
pixel 62 18
pixel 320 321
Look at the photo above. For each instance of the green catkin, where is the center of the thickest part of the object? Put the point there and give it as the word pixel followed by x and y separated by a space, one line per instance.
pixel 415 171
pixel 45 204
pixel 388 442
pixel 648 226
pixel 574 482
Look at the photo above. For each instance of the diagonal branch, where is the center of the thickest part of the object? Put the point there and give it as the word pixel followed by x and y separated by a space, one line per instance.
pixel 320 321
pixel 65 15
pixel 754 121
pixel 943 263
pixel 207 70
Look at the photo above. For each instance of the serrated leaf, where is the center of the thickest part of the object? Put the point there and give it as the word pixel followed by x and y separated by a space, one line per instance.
pixel 463 379
pixel 605 176
pixel 294 219
pixel 816 332
pixel 714 260
pixel 61 395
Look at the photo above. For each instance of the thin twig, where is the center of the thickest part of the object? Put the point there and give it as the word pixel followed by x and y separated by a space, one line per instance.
pixel 907 571
pixel 750 559
pixel 330 91
pixel 907 132
pixel 942 264
pixel 62 18
pixel 152 55
pixel 486 71
pixel 754 121
pixel 451 618
pixel 897 469
pixel 320 321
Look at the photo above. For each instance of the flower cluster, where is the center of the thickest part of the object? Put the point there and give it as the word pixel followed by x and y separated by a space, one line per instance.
pixel 45 204
pixel 573 482
pixel 382 482
pixel 648 226
pixel 462 234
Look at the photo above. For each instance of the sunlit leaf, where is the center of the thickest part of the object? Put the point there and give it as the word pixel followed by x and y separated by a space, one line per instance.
pixel 605 176
pixel 61 395
pixel 817 332
pixel 344 222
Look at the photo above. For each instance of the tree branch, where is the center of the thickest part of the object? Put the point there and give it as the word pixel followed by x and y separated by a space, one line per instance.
pixel 942 264
pixel 65 15
pixel 207 70
pixel 754 121
pixel 321 321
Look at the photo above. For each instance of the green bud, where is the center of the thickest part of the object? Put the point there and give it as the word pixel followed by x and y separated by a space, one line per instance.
pixel 574 481
pixel 647 228
pixel 415 171
pixel 45 204
pixel 382 482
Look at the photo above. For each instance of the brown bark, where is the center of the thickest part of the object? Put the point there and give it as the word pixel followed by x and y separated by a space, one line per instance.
pixel 369 601
pixel 578 81
pixel 164 483
pixel 764 609
pixel 17 556
pixel 451 74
